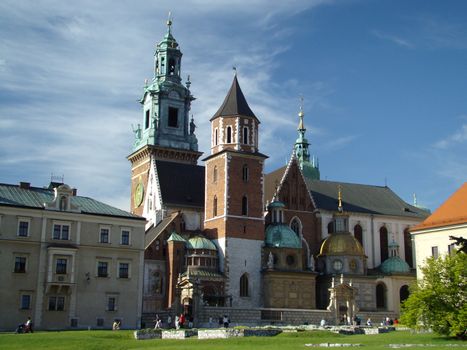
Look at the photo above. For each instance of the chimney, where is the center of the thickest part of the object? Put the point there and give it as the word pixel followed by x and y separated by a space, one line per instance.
pixel 24 185
pixel 75 191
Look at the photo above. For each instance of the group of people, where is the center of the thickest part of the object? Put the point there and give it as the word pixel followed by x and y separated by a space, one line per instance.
pixel 182 321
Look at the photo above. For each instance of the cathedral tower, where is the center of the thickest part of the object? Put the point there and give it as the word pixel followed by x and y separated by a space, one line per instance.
pixel 234 196
pixel 166 132
pixel 309 169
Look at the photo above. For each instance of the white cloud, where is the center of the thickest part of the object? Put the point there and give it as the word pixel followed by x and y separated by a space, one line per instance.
pixel 394 39
pixel 458 137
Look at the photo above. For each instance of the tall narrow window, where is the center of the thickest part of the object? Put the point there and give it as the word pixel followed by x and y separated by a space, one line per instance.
pixel 104 235
pixel 214 206
pixel 25 302
pixel 331 227
pixel 171 66
pixel 244 285
pixel 408 247
pixel 20 264
pixel 380 296
pixel 146 119
pixel 60 267
pixel 245 135
pixel 23 228
pixel 215 137
pixel 125 239
pixel 63 203
pixel 244 205
pixel 111 304
pixel 295 226
pixel 214 174
pixel 162 65
pixel 173 117
pixel 383 243
pixel 404 293
pixel 123 270
pixel 229 134
pixel 434 252
pixel 245 172
pixel 358 233
pixel 102 269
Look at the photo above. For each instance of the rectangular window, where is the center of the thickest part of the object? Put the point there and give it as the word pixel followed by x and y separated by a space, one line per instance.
pixel 125 237
pixel 100 322
pixel 23 228
pixel 25 302
pixel 61 232
pixel 60 268
pixel 123 270
pixel 56 303
pixel 146 120
pixel 20 264
pixel 434 252
pixel 173 117
pixel 111 304
pixel 102 269
pixel 104 235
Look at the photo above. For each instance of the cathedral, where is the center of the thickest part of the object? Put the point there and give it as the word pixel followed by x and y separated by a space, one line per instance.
pixel 226 238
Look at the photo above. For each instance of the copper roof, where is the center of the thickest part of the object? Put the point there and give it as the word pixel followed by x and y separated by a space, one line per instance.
pixel 452 212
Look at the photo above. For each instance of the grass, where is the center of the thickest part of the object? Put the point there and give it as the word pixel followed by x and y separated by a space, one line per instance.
pixel 103 340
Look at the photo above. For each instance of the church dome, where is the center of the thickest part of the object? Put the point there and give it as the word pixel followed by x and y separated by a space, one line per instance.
pixel 282 236
pixel 199 242
pixel 394 265
pixel 341 244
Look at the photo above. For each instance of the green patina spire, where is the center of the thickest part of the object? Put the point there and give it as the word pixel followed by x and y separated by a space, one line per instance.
pixel 310 169
pixel 166 101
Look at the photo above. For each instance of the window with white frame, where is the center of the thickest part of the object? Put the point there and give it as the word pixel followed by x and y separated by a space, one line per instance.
pixel 434 252
pixel 104 235
pixel 60 266
pixel 102 269
pixel 123 270
pixel 23 227
pixel 61 231
pixel 56 303
pixel 25 301
pixel 111 303
pixel 20 264
pixel 125 237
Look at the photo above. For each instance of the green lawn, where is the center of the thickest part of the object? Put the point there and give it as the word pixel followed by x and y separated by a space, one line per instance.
pixel 103 340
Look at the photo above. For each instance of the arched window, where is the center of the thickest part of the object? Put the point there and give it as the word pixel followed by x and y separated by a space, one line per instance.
pixel 244 285
pixel 245 135
pixel 245 172
pixel 381 296
pixel 330 227
pixel 229 134
pixel 295 225
pixel 214 174
pixel 358 233
pixel 244 205
pixel 404 293
pixel 215 137
pixel 408 247
pixel 214 206
pixel 383 243
pixel 171 66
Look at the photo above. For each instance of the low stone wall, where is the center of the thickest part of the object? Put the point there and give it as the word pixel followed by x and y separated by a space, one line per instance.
pixel 233 333
pixel 179 334
pixel 148 333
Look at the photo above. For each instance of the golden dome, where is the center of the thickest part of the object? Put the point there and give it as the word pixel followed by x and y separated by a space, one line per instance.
pixel 341 244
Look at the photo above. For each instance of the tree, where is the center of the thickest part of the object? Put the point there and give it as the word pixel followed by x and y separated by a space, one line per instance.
pixel 439 301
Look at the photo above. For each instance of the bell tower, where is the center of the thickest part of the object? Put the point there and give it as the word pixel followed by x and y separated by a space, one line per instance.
pixel 234 196
pixel 165 132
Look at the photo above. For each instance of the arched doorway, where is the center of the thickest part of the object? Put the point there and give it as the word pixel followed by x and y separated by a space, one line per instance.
pixel 381 296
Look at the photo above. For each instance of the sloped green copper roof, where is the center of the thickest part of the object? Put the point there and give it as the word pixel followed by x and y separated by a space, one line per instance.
pixel 394 265
pixel 309 171
pixel 276 204
pixel 282 236
pixel 35 197
pixel 176 237
pixel 203 273
pixel 199 242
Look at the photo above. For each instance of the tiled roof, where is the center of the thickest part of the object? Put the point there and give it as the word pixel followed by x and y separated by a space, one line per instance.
pixel 181 184
pixel 452 212
pixel 35 197
pixel 369 199
pixel 154 231
pixel 234 103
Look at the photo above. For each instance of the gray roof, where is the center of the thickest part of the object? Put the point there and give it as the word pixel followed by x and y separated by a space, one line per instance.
pixel 234 103
pixel 35 197
pixel 181 184
pixel 380 200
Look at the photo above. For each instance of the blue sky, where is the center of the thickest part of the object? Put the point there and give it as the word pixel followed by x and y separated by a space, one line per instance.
pixel 384 86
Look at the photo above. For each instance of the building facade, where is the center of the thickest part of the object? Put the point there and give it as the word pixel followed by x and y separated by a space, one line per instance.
pixel 69 262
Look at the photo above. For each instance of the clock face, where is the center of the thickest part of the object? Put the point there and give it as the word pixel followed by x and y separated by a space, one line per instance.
pixel 337 265
pixel 139 194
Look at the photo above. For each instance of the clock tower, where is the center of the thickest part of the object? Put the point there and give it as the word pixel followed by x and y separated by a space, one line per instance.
pixel 166 132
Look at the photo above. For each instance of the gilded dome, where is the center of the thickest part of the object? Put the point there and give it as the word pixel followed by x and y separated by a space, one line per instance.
pixel 282 236
pixel 394 265
pixel 341 244
pixel 199 242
